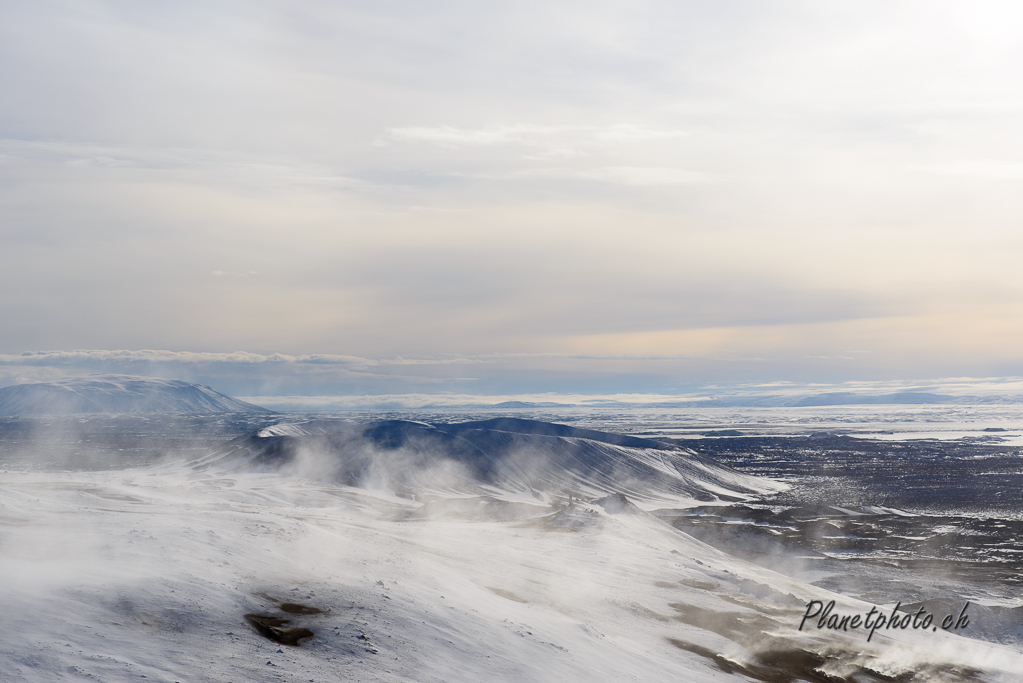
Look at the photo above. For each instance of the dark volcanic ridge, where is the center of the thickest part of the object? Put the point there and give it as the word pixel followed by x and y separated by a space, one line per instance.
pixel 489 458
pixel 118 394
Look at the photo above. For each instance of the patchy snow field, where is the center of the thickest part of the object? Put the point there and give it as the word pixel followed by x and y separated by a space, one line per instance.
pixel 149 573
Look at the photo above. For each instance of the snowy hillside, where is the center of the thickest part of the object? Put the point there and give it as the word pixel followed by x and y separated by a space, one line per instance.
pixel 164 574
pixel 512 459
pixel 118 394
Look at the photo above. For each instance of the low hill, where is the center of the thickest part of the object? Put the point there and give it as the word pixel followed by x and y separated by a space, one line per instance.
pixel 508 458
pixel 118 394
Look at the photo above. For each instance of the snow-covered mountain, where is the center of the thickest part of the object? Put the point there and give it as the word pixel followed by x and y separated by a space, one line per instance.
pixel 512 459
pixel 118 394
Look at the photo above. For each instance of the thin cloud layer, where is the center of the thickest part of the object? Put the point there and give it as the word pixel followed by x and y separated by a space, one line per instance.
pixel 523 134
pixel 757 191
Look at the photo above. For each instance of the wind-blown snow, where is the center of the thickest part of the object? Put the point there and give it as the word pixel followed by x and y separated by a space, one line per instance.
pixel 508 458
pixel 118 394
pixel 112 576
pixel 503 550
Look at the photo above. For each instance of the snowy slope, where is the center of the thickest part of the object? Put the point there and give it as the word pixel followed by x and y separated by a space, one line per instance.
pixel 118 394
pixel 512 459
pixel 119 575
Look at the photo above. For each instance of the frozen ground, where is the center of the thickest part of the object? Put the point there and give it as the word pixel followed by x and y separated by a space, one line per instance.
pixel 152 570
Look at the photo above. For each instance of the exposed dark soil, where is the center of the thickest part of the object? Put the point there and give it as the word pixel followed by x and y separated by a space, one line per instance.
pixel 926 475
pixel 276 629
pixel 295 608
pixel 844 516
pixel 965 496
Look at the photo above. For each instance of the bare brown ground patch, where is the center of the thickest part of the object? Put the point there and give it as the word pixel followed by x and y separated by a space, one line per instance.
pixel 277 630
pixel 731 625
pixel 295 608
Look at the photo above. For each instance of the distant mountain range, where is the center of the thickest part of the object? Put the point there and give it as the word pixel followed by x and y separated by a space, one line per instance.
pixel 325 404
pixel 845 398
pixel 837 398
pixel 118 394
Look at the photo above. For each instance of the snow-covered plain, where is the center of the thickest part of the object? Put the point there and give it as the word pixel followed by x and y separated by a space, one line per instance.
pixel 150 572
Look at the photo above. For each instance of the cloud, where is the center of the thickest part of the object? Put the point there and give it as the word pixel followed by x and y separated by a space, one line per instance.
pixel 228 273
pixel 635 133
pixel 430 194
pixel 646 176
pixel 981 170
pixel 629 176
pixel 223 167
pixel 450 136
pixel 87 357
pixel 85 154
pixel 163 356
pixel 525 134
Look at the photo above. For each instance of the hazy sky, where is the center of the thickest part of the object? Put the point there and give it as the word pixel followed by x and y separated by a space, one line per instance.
pixel 507 197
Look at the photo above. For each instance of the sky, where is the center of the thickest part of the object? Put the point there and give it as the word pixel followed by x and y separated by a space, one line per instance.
pixel 390 197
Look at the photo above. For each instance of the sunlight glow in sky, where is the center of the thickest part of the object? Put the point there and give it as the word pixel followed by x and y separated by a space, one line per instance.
pixel 512 198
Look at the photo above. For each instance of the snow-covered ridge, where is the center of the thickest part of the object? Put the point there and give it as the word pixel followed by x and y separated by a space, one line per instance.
pixel 118 394
pixel 508 458
pixel 182 571
pixel 166 574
